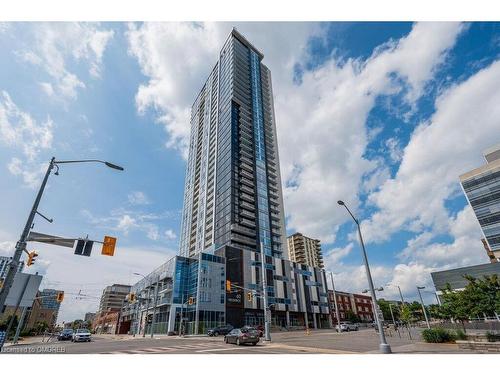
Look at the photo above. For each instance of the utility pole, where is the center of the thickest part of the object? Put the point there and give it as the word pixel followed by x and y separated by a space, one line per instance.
pixel 423 306
pixel 21 244
pixel 337 317
pixel 267 325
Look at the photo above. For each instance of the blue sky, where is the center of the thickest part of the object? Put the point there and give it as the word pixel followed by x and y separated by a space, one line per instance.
pixel 382 115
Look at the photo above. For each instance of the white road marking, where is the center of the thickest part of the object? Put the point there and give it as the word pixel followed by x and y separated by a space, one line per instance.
pixel 218 349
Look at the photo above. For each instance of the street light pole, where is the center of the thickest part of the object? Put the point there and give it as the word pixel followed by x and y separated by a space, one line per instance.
pixel 423 307
pixel 21 244
pixel 385 348
pixel 157 289
pixel 335 303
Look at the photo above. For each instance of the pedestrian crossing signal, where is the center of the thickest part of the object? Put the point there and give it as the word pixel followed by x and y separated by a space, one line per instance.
pixel 108 247
pixel 190 300
pixel 228 285
pixel 31 258
pixel 60 297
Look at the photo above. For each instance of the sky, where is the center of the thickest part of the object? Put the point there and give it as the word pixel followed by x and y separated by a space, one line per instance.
pixel 384 116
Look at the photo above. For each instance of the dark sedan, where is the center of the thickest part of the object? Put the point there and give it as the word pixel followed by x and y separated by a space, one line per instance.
pixel 65 334
pixel 241 336
pixel 222 330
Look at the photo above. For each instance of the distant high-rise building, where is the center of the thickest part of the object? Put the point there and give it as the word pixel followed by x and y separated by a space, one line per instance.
pixel 482 188
pixel 305 250
pixel 233 193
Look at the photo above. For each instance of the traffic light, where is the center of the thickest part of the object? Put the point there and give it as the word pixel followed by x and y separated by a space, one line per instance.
pixel 190 300
pixel 250 296
pixel 228 285
pixel 60 297
pixel 108 247
pixel 131 297
pixel 31 258
pixel 84 247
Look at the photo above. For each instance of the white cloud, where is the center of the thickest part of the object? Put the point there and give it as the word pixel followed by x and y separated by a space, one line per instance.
pixel 127 221
pixel 18 130
pixel 394 149
pixel 138 198
pixel 325 118
pixel 170 234
pixel 440 149
pixel 53 46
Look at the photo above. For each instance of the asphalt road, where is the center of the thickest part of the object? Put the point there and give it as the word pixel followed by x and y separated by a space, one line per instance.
pixel 297 342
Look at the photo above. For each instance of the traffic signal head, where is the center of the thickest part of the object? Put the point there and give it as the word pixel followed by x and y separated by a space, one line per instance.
pixel 60 297
pixel 131 297
pixel 108 247
pixel 228 285
pixel 31 258
pixel 249 296
pixel 190 300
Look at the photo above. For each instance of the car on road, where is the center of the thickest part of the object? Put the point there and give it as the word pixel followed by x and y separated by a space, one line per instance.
pixel 222 330
pixel 81 334
pixel 65 334
pixel 347 326
pixel 242 335
pixel 259 329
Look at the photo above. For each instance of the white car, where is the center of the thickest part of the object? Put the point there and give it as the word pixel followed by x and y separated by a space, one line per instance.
pixel 81 335
pixel 347 326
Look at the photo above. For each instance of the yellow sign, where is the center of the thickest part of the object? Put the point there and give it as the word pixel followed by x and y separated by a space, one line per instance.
pixel 108 247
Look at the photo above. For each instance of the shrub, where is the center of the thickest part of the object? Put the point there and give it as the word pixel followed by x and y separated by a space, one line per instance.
pixel 492 336
pixel 437 335
pixel 460 335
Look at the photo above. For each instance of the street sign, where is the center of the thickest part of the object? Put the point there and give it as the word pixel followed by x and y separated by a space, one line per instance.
pixel 16 290
pixel 108 247
pixel 54 240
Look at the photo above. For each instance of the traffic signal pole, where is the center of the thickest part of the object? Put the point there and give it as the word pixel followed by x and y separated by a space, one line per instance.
pixel 21 244
pixel 267 323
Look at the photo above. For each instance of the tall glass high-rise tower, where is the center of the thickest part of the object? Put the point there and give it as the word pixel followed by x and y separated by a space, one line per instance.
pixel 233 192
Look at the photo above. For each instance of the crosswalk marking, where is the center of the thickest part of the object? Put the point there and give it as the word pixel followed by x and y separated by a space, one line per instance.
pixel 165 349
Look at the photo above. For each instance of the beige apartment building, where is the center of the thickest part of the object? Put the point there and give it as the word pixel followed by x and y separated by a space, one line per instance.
pixel 305 250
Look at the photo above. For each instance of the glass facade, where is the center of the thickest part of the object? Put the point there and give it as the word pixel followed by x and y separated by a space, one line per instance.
pixel 483 192
pixel 260 156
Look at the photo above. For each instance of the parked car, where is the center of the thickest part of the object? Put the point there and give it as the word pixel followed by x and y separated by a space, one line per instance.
pixel 347 326
pixel 222 330
pixel 81 334
pixel 65 334
pixel 241 336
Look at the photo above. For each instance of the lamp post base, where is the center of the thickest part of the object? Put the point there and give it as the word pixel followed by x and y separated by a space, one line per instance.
pixel 385 349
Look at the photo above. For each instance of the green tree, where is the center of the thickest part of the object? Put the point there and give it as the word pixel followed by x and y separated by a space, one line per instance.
pixel 352 317
pixel 386 310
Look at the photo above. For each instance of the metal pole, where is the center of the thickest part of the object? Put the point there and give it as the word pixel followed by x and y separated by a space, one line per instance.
pixel 423 307
pixel 401 295
pixel 264 294
pixel 385 348
pixel 337 317
pixel 21 244
pixel 19 325
pixel 157 289
pixel 147 310
pixel 181 322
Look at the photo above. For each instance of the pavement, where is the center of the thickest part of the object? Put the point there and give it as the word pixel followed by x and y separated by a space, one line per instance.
pixel 295 342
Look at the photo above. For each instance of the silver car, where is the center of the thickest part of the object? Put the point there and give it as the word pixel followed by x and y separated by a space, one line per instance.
pixel 81 335
pixel 241 336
